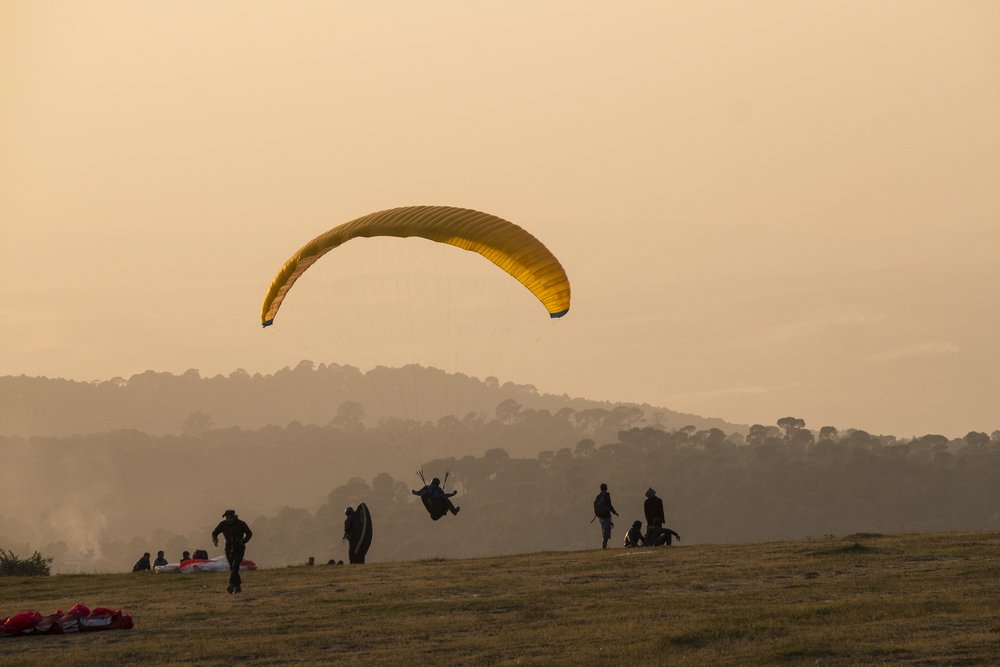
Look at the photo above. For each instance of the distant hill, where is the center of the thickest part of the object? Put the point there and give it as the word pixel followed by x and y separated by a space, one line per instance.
pixel 161 403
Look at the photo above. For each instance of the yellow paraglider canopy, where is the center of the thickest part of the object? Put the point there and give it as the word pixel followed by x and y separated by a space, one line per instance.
pixel 505 244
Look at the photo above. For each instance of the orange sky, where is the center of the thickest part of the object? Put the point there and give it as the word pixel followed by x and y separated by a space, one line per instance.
pixel 765 208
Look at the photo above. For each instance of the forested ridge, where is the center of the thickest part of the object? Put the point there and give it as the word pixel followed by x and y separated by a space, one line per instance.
pixel 526 479
pixel 782 484
pixel 162 403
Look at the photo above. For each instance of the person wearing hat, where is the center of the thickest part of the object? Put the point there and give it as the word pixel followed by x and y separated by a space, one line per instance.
pixel 653 508
pixel 633 536
pixel 237 534
pixel 657 534
pixel 603 509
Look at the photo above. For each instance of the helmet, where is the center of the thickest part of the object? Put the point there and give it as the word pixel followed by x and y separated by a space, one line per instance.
pixel 435 481
pixel 349 511
pixel 604 487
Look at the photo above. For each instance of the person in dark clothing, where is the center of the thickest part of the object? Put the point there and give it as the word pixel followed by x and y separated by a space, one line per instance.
pixel 348 522
pixel 437 502
pixel 237 534
pixel 633 536
pixel 142 565
pixel 160 560
pixel 659 536
pixel 352 517
pixel 185 556
pixel 603 509
pixel 653 508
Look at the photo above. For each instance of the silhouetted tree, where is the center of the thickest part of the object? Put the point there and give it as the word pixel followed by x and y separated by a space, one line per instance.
pixel 507 411
pixel 712 437
pixel 585 447
pixel 791 424
pixel 976 438
pixel 350 415
pixel 196 424
pixel 757 435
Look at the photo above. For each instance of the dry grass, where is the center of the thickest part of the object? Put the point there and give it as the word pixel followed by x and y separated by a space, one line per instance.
pixel 864 599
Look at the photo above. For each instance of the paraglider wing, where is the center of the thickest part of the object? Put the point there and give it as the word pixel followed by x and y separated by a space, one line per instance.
pixel 505 244
pixel 360 535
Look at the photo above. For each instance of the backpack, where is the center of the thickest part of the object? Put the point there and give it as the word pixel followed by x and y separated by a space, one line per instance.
pixel 602 508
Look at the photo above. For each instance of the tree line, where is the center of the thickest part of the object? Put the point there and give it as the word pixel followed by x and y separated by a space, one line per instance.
pixel 162 403
pixel 526 480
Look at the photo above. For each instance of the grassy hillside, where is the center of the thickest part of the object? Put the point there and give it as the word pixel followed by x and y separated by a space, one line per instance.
pixel 918 598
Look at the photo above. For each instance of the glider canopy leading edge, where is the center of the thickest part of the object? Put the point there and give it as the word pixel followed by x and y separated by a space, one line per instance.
pixel 505 244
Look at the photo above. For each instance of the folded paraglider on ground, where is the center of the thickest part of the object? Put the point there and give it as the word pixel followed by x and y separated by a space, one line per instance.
pixel 192 565
pixel 78 619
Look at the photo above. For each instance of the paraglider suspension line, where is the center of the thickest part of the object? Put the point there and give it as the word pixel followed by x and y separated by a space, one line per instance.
pixel 444 484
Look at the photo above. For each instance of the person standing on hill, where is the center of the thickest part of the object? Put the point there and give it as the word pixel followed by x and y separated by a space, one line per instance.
pixel 237 534
pixel 348 522
pixel 657 534
pixel 653 508
pixel 356 525
pixel 603 509
pixel 160 559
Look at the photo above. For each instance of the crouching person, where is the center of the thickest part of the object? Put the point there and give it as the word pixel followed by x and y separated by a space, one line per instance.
pixel 633 536
pixel 659 536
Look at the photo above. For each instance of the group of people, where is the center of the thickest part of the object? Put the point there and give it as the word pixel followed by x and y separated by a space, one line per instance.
pixel 143 564
pixel 438 503
pixel 657 534
pixel 236 533
pixel 332 561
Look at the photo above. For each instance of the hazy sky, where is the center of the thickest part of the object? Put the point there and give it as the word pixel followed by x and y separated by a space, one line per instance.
pixel 765 208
